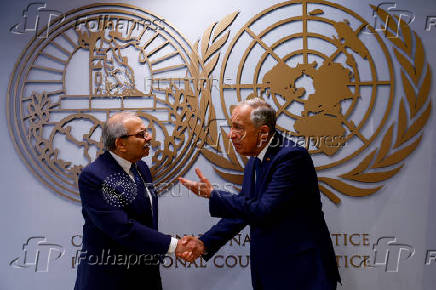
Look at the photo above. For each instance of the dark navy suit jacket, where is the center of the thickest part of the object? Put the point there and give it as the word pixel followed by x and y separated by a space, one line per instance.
pixel 119 229
pixel 290 242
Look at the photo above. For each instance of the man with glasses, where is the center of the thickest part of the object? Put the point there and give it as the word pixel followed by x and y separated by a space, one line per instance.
pixel 122 247
pixel 290 245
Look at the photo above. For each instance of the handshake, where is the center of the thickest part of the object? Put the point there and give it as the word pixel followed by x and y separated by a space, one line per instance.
pixel 189 248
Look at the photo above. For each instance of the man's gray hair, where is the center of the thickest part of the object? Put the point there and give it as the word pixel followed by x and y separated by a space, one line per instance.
pixel 262 114
pixel 114 128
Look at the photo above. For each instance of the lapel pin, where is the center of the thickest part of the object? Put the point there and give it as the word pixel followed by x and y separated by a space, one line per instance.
pixel 268 159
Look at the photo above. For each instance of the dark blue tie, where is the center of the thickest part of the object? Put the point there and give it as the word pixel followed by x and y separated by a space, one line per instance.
pixel 256 174
pixel 140 186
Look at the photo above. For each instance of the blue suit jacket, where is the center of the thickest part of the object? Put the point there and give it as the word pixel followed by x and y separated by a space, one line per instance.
pixel 119 229
pixel 290 242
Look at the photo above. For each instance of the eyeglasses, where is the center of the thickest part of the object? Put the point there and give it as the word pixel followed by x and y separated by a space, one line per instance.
pixel 141 134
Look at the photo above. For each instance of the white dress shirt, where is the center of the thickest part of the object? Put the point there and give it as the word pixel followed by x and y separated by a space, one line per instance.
pixel 263 152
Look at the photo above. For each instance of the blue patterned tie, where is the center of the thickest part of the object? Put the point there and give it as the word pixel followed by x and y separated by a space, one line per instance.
pixel 140 186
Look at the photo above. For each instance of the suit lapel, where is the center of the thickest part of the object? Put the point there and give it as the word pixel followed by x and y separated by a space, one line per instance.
pixel 152 211
pixel 154 205
pixel 139 204
pixel 249 180
pixel 112 168
pixel 142 200
pixel 271 152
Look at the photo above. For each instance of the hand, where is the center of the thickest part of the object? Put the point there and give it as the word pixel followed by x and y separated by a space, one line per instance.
pixel 181 247
pixel 189 248
pixel 197 249
pixel 202 188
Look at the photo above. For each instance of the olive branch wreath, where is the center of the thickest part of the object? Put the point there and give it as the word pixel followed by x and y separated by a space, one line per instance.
pixel 387 160
pixel 201 67
pixel 194 103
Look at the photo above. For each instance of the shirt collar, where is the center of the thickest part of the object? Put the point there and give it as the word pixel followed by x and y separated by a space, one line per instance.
pixel 125 165
pixel 263 152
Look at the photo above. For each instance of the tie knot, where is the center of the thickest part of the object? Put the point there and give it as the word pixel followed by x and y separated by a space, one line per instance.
pixel 134 171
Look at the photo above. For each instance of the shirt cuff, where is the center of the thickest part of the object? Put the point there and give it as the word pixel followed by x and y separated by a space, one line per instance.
pixel 173 245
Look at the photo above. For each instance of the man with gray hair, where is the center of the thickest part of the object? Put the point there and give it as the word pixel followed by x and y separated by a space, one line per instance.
pixel 122 247
pixel 280 200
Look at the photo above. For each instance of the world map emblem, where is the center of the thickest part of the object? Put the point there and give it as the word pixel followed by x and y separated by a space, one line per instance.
pixel 311 61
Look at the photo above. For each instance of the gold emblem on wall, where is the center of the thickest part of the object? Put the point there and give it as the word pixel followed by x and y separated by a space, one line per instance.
pixel 327 71
pixel 101 59
pixel 334 91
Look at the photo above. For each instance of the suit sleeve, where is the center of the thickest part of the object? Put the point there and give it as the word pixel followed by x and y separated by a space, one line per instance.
pixel 290 174
pixel 219 234
pixel 114 221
